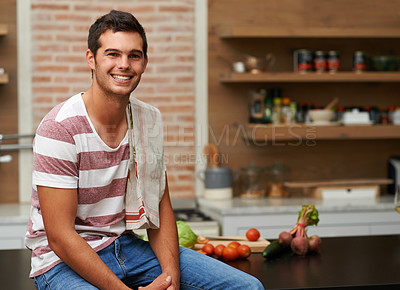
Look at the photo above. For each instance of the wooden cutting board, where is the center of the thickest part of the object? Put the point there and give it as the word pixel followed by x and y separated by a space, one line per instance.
pixel 256 246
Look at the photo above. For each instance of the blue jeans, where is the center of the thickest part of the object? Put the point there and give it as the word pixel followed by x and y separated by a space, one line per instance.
pixel 134 262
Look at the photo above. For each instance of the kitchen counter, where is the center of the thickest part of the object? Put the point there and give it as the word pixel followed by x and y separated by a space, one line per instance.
pixel 346 262
pixel 348 217
pixel 13 224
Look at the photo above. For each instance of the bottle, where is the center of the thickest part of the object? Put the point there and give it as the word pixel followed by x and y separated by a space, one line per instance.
pixel 277 110
pixel 256 105
pixel 268 106
pixel 300 112
pixel 277 102
pixel 293 111
pixel 285 111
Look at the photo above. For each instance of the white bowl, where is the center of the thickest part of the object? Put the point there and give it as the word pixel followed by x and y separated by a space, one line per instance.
pixel 321 116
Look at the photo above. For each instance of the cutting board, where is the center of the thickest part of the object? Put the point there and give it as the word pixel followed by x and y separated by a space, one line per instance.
pixel 256 246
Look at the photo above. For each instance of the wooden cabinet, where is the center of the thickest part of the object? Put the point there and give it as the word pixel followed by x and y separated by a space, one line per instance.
pixel 3 32
pixel 9 192
pixel 259 27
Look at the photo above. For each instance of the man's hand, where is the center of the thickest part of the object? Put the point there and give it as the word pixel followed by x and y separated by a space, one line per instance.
pixel 161 283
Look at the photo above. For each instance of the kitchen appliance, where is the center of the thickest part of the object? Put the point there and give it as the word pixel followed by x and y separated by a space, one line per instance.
pixel 187 210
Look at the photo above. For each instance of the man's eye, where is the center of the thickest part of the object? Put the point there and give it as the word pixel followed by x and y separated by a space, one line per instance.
pixel 112 54
pixel 137 56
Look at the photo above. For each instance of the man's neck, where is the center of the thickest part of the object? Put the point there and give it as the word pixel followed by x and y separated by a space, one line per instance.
pixel 108 115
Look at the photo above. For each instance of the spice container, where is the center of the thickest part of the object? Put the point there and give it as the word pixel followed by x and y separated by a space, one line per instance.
pixel 333 61
pixel 359 62
pixel 320 61
pixel 303 59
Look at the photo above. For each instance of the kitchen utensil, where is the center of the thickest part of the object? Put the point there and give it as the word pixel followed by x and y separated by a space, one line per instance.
pixel 211 153
pixel 321 116
pixel 218 177
pixel 259 64
pixel 331 104
pixel 355 117
pixel 256 246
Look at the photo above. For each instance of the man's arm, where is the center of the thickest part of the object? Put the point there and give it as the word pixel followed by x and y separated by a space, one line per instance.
pixel 58 207
pixel 164 241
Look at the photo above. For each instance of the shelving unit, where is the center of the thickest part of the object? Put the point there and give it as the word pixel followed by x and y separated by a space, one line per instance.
pixel 237 28
pixel 284 77
pixel 259 133
pixel 255 31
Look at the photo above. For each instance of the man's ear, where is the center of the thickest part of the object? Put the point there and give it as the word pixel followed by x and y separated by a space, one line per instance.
pixel 90 59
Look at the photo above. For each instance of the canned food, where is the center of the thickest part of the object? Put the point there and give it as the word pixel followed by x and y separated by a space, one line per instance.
pixel 359 62
pixel 320 61
pixel 333 61
pixel 303 60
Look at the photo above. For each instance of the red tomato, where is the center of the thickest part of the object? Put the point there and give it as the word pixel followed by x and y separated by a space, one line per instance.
pixel 234 244
pixel 218 250
pixel 208 249
pixel 253 235
pixel 244 251
pixel 230 254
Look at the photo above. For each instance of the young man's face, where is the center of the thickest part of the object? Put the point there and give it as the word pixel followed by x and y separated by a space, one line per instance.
pixel 119 62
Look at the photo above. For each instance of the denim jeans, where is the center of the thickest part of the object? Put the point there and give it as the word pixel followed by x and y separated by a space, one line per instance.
pixel 134 262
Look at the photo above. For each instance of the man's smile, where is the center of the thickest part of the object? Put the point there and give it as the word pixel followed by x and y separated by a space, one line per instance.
pixel 121 77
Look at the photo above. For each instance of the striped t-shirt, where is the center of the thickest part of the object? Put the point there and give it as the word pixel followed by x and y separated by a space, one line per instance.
pixel 68 153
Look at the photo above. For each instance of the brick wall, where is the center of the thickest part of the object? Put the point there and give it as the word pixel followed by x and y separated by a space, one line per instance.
pixel 59 35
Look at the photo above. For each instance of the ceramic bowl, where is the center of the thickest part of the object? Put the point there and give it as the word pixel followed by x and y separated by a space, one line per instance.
pixel 321 116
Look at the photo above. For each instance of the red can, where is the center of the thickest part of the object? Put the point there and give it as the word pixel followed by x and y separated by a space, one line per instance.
pixel 320 61
pixel 333 61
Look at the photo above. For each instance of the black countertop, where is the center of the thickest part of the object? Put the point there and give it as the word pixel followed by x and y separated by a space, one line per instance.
pixel 371 262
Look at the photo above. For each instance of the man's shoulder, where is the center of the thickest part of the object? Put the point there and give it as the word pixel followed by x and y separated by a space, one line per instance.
pixel 65 109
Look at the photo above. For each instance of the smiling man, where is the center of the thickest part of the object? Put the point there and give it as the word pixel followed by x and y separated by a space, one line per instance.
pixel 94 182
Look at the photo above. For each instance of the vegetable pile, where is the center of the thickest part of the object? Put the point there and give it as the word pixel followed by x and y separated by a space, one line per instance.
pixel 187 238
pixel 296 239
pixel 231 252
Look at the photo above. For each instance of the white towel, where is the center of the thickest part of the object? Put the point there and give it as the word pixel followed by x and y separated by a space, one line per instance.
pixel 147 172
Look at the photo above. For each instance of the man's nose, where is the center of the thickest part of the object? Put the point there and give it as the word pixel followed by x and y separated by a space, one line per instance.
pixel 123 62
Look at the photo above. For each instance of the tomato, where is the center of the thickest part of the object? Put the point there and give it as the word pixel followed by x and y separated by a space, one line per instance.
pixel 230 253
pixel 208 249
pixel 218 250
pixel 253 235
pixel 234 244
pixel 244 251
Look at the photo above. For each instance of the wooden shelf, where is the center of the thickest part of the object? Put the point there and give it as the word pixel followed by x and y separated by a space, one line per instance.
pixel 276 77
pixel 301 32
pixel 4 79
pixel 3 29
pixel 260 133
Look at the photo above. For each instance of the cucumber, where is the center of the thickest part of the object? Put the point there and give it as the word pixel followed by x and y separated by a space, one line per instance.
pixel 273 250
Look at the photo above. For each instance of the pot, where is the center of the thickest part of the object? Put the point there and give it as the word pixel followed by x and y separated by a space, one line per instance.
pixel 220 177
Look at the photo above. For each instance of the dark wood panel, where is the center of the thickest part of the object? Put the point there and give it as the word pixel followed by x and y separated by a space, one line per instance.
pixel 9 99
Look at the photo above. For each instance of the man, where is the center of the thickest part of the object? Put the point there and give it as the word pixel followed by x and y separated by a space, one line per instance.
pixel 84 157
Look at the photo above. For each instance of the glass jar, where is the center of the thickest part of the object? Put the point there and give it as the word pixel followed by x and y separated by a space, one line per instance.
pixel 253 183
